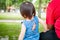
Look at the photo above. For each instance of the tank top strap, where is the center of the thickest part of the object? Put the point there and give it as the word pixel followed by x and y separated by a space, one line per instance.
pixel 36 19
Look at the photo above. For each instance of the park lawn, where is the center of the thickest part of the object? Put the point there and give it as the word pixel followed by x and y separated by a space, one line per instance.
pixel 10 16
pixel 9 28
pixel 12 29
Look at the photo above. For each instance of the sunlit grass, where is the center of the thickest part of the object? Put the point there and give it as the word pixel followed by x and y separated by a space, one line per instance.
pixel 10 29
pixel 10 16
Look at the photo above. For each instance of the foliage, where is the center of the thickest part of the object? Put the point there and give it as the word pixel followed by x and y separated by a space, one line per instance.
pixel 16 3
pixel 36 4
pixel 2 4
pixel 45 2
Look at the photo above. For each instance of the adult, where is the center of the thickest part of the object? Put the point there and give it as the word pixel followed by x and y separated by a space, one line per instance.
pixel 52 21
pixel 53 16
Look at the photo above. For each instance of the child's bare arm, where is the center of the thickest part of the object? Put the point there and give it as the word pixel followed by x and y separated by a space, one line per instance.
pixel 23 30
pixel 43 23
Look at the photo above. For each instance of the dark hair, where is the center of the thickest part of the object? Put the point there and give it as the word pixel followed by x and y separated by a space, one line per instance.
pixel 27 10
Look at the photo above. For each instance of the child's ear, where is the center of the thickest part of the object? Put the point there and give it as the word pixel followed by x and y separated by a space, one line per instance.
pixel 24 16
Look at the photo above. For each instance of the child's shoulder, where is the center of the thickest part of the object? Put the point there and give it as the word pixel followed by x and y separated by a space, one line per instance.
pixel 35 17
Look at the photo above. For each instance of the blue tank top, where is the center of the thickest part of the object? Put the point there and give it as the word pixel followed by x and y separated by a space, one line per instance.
pixel 31 34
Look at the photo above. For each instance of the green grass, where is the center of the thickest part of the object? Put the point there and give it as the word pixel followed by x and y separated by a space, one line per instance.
pixel 10 16
pixel 10 29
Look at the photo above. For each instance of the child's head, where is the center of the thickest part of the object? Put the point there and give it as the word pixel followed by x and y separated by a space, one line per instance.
pixel 27 10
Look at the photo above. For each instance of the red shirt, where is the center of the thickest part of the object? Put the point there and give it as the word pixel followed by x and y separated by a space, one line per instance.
pixel 53 15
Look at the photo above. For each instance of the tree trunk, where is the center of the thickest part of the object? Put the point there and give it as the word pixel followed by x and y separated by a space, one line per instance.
pixel 39 10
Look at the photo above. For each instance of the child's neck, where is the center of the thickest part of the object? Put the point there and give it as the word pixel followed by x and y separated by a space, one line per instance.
pixel 29 19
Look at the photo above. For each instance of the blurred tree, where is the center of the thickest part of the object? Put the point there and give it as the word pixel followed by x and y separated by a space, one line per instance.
pixel 42 3
pixel 2 4
pixel 9 2
pixel 16 3
pixel 39 10
pixel 45 2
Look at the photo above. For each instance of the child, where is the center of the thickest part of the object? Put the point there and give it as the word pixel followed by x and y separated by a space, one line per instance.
pixel 30 25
